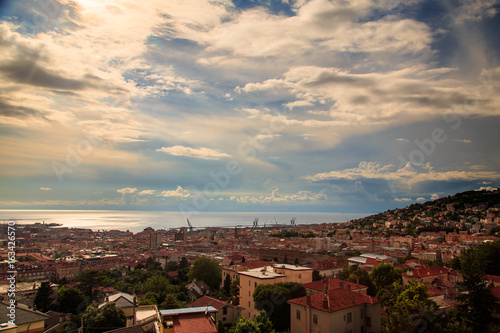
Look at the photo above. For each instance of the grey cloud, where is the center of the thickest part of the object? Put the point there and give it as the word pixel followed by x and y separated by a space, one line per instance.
pixel 334 78
pixel 8 110
pixel 29 72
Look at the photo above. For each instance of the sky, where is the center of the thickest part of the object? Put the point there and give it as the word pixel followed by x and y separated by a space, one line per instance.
pixel 278 105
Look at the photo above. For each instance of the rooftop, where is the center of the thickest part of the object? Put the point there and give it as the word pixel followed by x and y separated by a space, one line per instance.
pixel 334 300
pixel 183 311
pixel 262 273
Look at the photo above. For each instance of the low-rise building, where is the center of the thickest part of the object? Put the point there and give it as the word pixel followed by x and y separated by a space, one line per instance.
pixel 336 310
pixel 227 313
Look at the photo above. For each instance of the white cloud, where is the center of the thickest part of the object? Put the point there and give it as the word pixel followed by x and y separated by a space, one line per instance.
pixel 45 188
pixel 409 175
pixel 276 197
pixel 487 188
pixel 475 10
pixel 435 196
pixel 420 199
pixel 147 192
pixel 202 153
pixel 403 199
pixel 127 190
pixel 178 192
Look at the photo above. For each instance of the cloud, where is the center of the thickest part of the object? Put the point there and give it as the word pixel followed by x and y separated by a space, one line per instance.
pixel 487 188
pixel 127 190
pixel 45 188
pixel 435 196
pixel 276 197
pixel 420 199
pixel 408 175
pixel 403 199
pixel 475 10
pixel 201 153
pixel 147 192
pixel 178 192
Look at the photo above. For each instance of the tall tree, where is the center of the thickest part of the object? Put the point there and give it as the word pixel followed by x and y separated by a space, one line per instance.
pixel 43 298
pixel 71 300
pixel 207 270
pixel 108 318
pixel 384 275
pixel 227 285
pixel 276 296
pixel 260 324
pixel 361 276
pixel 404 307
pixel 477 301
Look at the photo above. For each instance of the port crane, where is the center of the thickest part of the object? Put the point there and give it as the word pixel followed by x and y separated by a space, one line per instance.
pixel 190 226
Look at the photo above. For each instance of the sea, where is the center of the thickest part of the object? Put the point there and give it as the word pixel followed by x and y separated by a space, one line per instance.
pixel 137 221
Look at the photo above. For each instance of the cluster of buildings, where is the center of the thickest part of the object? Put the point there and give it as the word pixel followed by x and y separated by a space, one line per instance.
pixel 256 256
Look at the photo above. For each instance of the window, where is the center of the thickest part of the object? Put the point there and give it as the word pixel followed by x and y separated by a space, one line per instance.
pixel 249 293
pixel 368 322
pixel 224 311
pixel 300 275
pixel 349 317
pixel 362 314
pixel 298 314
pixel 315 319
pixel 249 283
pixel 249 306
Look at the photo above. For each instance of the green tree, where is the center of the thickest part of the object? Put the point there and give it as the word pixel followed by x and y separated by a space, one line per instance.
pixel 170 302
pixel 316 275
pixel 152 265
pixel 227 285
pixel 358 275
pixel 206 270
pixel 384 275
pixel 108 318
pixel 43 298
pixel 71 300
pixel 477 302
pixel 220 327
pixel 183 263
pixel 273 298
pixel 260 324
pixel 172 266
pixel 404 307
pixel 235 289
pixel 157 284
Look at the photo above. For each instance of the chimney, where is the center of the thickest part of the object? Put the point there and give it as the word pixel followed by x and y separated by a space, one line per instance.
pixel 309 300
pixel 325 302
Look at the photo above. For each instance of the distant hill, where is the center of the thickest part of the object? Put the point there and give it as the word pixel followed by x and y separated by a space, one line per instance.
pixel 450 212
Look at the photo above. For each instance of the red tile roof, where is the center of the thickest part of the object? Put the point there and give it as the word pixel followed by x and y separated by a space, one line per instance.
pixel 335 300
pixel 430 271
pixel 325 264
pixel 333 283
pixel 194 322
pixel 254 264
pixel 492 278
pixel 206 301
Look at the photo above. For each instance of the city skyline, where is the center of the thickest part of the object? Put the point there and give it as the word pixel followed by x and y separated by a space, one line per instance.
pixel 317 105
